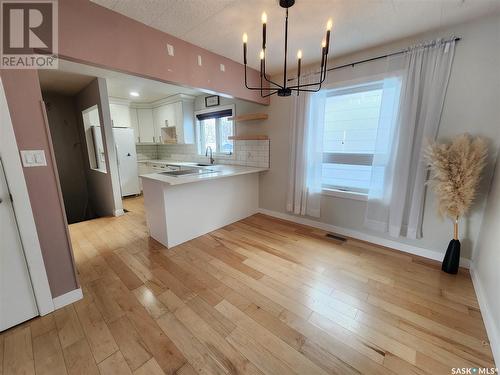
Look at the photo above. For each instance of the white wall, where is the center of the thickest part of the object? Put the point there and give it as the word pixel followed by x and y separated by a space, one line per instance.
pixel 472 105
pixel 486 266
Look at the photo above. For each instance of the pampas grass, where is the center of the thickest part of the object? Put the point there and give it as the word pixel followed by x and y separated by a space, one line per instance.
pixel 455 172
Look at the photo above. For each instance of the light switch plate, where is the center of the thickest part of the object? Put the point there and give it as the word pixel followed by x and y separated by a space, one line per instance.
pixel 222 68
pixel 170 49
pixel 199 60
pixel 33 158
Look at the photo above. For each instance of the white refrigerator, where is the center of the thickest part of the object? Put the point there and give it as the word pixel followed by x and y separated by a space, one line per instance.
pixel 127 160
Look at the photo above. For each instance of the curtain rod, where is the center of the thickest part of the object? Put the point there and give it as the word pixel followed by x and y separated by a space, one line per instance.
pixel 456 39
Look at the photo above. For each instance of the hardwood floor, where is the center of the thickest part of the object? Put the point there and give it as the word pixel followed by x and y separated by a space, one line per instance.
pixel 261 296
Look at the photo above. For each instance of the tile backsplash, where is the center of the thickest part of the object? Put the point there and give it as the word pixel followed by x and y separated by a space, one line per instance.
pixel 146 152
pixel 253 153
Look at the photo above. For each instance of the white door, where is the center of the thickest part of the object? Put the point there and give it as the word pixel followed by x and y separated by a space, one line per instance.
pixel 17 302
pixel 127 160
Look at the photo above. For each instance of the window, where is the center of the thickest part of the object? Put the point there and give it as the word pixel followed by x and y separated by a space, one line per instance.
pixel 214 129
pixel 350 135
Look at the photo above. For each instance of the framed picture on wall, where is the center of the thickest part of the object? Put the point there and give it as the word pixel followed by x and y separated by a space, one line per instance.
pixel 211 101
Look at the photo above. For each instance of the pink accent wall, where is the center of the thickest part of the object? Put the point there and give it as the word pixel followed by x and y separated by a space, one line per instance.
pixel 24 97
pixel 95 35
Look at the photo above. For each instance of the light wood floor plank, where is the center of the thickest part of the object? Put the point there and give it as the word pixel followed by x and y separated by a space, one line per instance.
pixel 222 352
pixel 130 343
pixel 79 359
pixel 259 296
pixel 114 365
pixel 97 332
pixel 197 354
pixel 48 354
pixel 151 367
pixel 18 352
pixel 277 347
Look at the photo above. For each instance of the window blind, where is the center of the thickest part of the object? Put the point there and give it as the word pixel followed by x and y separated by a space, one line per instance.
pixel 216 114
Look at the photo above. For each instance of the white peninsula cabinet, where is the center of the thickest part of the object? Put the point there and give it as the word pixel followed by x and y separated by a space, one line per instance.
pixel 182 207
pixel 148 119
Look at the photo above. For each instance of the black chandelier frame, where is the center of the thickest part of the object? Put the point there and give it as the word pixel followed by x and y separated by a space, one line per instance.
pixel 284 90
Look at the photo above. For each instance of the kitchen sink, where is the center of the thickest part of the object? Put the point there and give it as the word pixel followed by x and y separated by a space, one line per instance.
pixel 188 172
pixel 203 165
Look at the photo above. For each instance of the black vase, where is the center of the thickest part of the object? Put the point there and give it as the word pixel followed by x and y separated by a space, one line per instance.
pixel 451 260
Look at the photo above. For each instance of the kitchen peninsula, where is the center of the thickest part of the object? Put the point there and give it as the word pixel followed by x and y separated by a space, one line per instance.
pixel 189 200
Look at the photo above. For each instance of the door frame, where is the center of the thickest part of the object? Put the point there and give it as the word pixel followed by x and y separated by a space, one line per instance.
pixel 23 211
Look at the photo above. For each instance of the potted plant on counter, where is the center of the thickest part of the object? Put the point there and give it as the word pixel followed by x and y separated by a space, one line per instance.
pixel 455 172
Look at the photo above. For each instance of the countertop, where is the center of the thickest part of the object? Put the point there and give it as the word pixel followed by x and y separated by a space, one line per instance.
pixel 169 162
pixel 219 171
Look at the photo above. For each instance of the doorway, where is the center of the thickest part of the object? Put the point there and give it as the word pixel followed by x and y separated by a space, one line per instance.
pixel 83 144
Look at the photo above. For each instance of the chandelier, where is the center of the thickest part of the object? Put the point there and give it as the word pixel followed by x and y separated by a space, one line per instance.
pixel 276 88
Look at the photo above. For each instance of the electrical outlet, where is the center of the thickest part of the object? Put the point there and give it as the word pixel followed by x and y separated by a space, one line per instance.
pixel 222 68
pixel 170 49
pixel 199 60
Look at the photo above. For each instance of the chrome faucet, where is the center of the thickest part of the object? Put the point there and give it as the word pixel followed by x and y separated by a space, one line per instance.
pixel 212 160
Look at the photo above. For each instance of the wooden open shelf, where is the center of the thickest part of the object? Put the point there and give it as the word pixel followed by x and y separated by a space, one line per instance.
pixel 250 117
pixel 248 137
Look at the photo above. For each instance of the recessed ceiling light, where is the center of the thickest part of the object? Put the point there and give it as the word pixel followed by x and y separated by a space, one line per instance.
pixel 134 93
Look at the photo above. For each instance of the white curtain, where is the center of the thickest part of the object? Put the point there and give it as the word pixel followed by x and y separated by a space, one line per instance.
pixel 306 141
pixel 396 197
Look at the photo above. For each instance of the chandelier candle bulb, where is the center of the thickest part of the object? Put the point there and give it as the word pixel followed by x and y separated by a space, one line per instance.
pixel 329 25
pixel 245 40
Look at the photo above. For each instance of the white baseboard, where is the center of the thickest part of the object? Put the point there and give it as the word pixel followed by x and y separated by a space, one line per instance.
pixel 488 317
pixel 415 250
pixel 67 298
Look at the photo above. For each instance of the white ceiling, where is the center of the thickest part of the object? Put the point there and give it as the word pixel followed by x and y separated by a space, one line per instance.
pixel 72 77
pixel 218 25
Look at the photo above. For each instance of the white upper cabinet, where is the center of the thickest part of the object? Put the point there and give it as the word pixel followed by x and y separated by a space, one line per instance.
pixel 147 119
pixel 178 112
pixel 134 124
pixel 123 115
pixel 185 131
pixel 163 116
pixel 120 115
pixel 146 128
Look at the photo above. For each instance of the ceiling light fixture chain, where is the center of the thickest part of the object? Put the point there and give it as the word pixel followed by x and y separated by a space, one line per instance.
pixel 284 90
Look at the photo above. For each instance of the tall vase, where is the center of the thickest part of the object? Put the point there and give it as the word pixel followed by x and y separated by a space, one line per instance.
pixel 451 260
